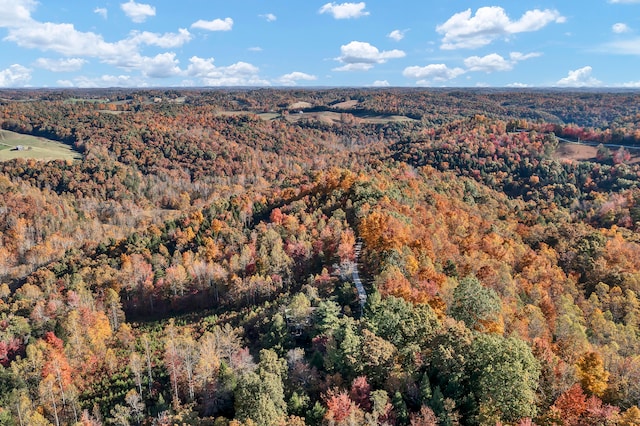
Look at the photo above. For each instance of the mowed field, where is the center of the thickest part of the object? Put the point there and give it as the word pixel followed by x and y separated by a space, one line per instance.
pixel 33 148
pixel 578 152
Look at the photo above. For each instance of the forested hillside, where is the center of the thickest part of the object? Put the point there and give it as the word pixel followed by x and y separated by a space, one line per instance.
pixel 196 265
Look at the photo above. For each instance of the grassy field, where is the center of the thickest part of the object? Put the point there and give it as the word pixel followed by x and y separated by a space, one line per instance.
pixel 576 152
pixel 33 147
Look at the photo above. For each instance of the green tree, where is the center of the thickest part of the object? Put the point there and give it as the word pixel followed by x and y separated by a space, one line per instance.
pixel 477 306
pixel 503 376
pixel 260 396
pixel 399 322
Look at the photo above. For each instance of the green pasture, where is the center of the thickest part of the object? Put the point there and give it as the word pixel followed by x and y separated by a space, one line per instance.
pixel 15 145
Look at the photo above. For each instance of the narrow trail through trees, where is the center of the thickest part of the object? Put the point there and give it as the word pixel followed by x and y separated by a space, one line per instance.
pixel 362 294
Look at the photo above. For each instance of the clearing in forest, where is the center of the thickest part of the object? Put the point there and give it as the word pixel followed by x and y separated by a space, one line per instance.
pixel 15 145
pixel 579 152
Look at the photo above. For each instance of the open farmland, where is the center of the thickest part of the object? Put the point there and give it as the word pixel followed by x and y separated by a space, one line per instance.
pixel 580 152
pixel 15 145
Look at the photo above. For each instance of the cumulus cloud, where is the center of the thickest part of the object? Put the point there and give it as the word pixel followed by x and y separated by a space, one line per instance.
pixel 432 73
pixel 518 85
pixel 238 74
pixel 380 83
pixel 494 62
pixel 138 12
pixel 216 25
pixel 345 10
pixel 579 78
pixel 60 65
pixel 16 12
pixel 291 79
pixel 65 39
pixel 102 11
pixel 489 63
pixel 396 35
pixel 270 17
pixel 620 28
pixel 362 56
pixel 14 76
pixel 463 30
pixel 166 40
pixel 162 65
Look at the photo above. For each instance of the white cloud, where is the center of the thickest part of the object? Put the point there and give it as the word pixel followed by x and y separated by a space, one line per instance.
pixel 380 83
pixel 345 10
pixel 622 47
pixel 166 40
pixel 16 12
pixel 631 84
pixel 463 30
pixel 65 83
pixel 291 79
pixel 494 62
pixel 517 56
pixel 104 81
pixel 14 76
pixel 620 28
pixel 66 40
pixel 162 65
pixel 579 78
pixel 362 56
pixel 60 65
pixel 138 12
pixel 215 25
pixel 238 74
pixel 270 17
pixel 490 63
pixel 518 85
pixel 102 11
pixel 255 49
pixel 624 1
pixel 396 35
pixel 432 73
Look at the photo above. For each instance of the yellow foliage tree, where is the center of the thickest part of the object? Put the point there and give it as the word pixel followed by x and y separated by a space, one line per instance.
pixel 593 376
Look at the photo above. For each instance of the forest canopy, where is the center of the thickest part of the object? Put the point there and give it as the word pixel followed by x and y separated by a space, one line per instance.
pixel 203 260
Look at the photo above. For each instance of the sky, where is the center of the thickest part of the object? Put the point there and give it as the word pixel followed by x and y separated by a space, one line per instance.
pixel 377 43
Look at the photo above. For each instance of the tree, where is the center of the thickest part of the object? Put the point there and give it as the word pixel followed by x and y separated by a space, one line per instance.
pixel 570 406
pixel 136 366
pixel 425 417
pixel 477 306
pixel 503 376
pixel 113 308
pixel 361 392
pixel 631 417
pixel 260 396
pixel 341 410
pixel 377 357
pixel 401 323
pixel 135 403
pixel 593 376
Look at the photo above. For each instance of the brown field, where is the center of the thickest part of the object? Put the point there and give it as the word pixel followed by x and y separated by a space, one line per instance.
pixel 577 152
pixel 346 104
pixel 335 117
pixel 299 105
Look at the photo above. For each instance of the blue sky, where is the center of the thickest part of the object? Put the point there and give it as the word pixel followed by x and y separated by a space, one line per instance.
pixel 436 43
